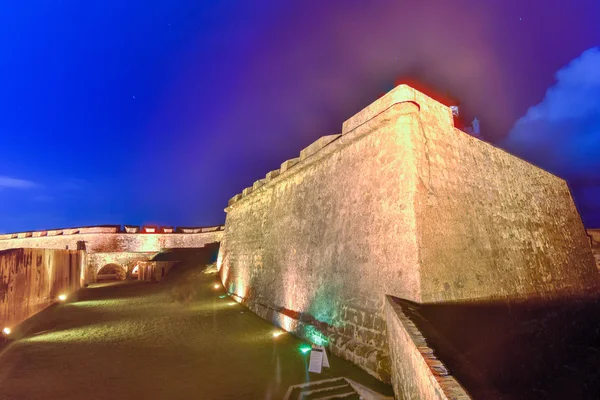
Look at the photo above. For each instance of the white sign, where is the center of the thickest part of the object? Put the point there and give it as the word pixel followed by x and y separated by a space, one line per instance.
pixel 325 358
pixel 316 361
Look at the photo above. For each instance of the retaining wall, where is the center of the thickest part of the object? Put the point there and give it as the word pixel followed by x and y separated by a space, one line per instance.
pixel 400 203
pixel 32 279
pixel 417 372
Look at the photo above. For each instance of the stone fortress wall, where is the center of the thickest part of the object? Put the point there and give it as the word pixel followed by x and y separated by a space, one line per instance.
pixel 400 203
pixel 112 244
pixel 32 279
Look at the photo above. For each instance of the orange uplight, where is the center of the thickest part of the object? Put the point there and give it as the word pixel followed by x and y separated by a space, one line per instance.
pixel 62 297
pixel 277 334
pixel 6 331
pixel 216 286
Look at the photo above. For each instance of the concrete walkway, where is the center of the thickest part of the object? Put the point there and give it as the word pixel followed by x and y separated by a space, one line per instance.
pixel 172 340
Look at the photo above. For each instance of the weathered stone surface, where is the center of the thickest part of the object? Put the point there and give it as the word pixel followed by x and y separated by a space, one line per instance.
pixel 402 204
pixel 32 279
pixel 594 235
pixel 317 145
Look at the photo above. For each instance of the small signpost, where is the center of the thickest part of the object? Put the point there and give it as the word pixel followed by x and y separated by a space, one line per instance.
pixel 318 359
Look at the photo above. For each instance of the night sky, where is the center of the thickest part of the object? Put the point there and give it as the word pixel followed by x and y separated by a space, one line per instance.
pixel 157 112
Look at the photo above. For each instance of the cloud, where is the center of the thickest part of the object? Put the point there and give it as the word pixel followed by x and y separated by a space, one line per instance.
pixel 15 183
pixel 562 133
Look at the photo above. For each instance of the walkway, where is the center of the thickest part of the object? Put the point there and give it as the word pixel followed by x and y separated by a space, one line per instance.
pixel 173 340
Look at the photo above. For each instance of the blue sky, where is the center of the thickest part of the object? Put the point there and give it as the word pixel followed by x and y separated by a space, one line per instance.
pixel 138 112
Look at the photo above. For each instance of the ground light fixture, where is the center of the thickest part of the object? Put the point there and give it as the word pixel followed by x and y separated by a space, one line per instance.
pixel 222 296
pixel 216 286
pixel 277 334
pixel 62 297
pixel 305 348
pixel 6 331
pixel 232 303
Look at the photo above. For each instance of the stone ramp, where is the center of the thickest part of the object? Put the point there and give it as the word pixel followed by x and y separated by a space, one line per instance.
pixel 334 388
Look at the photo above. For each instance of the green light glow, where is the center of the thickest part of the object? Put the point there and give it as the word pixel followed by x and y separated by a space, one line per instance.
pixel 316 337
pixel 305 348
pixel 222 296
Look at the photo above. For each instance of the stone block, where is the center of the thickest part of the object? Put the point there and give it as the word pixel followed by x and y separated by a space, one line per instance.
pixel 247 191
pixel 317 145
pixel 132 229
pixel 288 164
pixel 234 199
pixel 258 184
pixel 272 174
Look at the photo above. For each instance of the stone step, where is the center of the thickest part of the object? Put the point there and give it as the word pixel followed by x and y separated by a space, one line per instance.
pixel 335 388
pixel 312 394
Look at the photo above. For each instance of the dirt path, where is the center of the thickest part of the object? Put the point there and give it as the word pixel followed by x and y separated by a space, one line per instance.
pixel 173 340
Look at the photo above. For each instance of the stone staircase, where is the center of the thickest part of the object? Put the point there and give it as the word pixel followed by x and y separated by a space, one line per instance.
pixel 330 389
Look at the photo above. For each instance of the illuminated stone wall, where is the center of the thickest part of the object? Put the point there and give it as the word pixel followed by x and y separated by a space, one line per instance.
pixel 110 239
pixel 32 279
pixel 400 203
pixel 109 244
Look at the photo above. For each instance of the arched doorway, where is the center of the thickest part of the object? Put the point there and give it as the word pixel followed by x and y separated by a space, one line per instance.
pixel 111 272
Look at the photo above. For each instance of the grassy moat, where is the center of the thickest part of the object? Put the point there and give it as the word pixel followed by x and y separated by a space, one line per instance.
pixel 178 339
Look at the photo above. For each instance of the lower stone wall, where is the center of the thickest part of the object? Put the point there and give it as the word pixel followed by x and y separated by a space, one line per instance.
pixel 32 279
pixel 125 260
pixel 416 372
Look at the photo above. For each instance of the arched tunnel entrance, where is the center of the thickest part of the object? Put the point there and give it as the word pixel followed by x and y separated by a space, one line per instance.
pixel 111 272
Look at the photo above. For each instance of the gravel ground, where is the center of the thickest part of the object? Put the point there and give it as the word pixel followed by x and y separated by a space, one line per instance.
pixel 172 340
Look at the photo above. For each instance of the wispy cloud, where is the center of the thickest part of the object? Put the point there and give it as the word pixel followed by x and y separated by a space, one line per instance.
pixel 16 183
